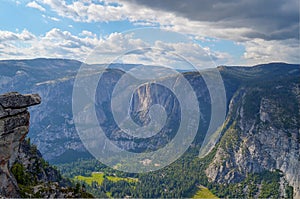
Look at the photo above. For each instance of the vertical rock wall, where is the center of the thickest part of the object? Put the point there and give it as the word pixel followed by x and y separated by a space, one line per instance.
pixel 14 125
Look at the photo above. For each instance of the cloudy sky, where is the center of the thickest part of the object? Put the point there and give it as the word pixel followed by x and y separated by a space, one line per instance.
pixel 232 32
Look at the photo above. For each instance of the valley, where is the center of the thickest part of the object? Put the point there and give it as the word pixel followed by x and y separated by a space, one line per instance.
pixel 256 155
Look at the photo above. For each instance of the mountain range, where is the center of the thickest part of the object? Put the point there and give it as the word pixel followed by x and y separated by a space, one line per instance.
pixel 260 132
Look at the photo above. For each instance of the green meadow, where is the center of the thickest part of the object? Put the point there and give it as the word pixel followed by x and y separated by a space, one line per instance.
pixel 203 192
pixel 99 177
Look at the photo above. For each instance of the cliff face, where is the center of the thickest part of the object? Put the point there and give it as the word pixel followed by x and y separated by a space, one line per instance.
pixel 53 80
pixel 14 125
pixel 53 130
pixel 23 171
pixel 166 121
pixel 262 133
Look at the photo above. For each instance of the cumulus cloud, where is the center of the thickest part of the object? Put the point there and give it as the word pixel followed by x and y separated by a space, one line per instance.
pixel 269 30
pixel 268 20
pixel 87 33
pixel 35 5
pixel 251 23
pixel 237 20
pixel 262 51
pixel 86 11
pixel 25 35
pixel 116 47
pixel 128 49
pixel 55 43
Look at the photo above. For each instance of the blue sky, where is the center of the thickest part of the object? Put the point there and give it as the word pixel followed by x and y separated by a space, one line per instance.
pixel 73 29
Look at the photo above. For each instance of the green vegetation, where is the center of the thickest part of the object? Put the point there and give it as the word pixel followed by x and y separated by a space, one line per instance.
pixel 250 186
pixel 175 180
pixel 116 179
pixel 85 167
pixel 203 192
pixel 99 177
pixel 269 190
pixel 20 174
pixel 179 179
pixel 289 191
pixel 38 177
pixel 230 139
pixel 96 177
pixel 252 104
pixel 70 155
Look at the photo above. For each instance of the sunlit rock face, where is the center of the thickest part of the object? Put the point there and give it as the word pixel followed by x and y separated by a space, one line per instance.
pixel 262 133
pixel 14 125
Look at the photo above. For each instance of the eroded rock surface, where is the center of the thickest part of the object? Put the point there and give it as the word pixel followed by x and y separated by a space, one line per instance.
pixel 14 125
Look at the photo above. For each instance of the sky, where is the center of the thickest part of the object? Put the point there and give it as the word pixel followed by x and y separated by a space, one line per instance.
pixel 231 32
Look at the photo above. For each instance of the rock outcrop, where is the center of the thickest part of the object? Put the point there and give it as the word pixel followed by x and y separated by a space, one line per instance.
pixel 262 133
pixel 14 125
pixel 23 171
pixel 265 134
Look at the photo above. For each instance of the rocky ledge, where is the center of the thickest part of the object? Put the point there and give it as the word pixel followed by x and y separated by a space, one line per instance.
pixel 14 125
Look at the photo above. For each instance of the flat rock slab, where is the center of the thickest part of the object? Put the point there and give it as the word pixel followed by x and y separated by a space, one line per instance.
pixel 16 100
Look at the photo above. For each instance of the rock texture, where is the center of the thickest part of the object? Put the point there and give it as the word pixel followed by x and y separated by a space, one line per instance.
pixel 23 171
pixel 37 179
pixel 262 133
pixel 264 136
pixel 53 80
pixel 14 125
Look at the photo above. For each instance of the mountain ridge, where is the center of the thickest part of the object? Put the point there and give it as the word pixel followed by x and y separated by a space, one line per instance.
pixel 250 83
pixel 26 81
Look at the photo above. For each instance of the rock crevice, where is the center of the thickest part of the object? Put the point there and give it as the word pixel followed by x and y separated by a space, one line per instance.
pixel 14 126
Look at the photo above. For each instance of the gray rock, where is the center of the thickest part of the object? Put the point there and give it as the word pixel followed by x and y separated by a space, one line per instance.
pixel 14 125
pixel 267 140
pixel 16 100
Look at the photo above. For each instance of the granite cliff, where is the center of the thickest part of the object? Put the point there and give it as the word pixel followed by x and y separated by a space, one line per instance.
pixel 14 125
pixel 261 133
pixel 23 171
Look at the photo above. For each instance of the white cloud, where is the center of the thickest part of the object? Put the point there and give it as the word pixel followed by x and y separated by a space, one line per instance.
pixel 86 11
pixel 57 43
pixel 87 34
pixel 51 18
pixel 114 45
pixel 62 44
pixel 138 14
pixel 10 36
pixel 261 51
pixel 34 4
pixel 54 19
pixel 128 49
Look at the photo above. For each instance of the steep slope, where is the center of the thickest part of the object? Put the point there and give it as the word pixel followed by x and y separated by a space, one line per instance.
pixel 23 171
pixel 258 153
pixel 36 178
pixel 52 128
pixel 52 79
pixel 14 124
pixel 262 130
